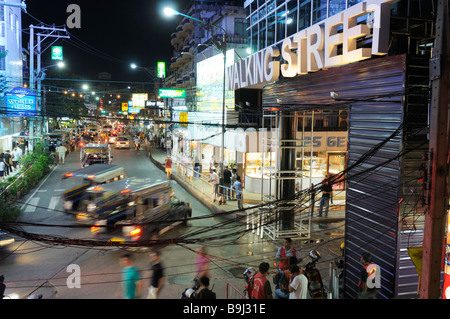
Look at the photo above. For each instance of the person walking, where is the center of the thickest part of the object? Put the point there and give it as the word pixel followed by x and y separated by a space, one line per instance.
pixel 214 179
pixel 168 166
pixel 202 263
pixel 285 252
pixel 2 169
pixel 157 280
pixel 261 286
pixel 312 196
pixel 298 283
pixel 61 153
pixel 8 162
pixel 131 280
pixel 227 182
pixel 15 157
pixel 237 186
pixel 327 192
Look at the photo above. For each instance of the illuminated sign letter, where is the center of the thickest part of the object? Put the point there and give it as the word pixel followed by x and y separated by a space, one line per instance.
pixel 315 48
pixel 272 69
pixel 289 69
pixel 352 31
pixel 301 39
pixel 332 40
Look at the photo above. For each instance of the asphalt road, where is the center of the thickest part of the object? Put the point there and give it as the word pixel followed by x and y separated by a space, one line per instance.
pixel 35 267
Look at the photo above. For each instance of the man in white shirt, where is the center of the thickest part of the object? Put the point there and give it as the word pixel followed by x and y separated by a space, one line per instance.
pixel 298 284
pixel 214 179
pixel 61 153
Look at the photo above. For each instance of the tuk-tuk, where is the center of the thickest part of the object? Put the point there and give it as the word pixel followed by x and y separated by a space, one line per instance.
pixel 75 198
pixel 134 209
pixel 95 154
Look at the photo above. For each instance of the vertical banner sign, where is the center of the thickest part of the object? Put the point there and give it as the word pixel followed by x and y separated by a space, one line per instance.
pixel 161 70
pixel 446 288
pixel 20 102
pixel 57 53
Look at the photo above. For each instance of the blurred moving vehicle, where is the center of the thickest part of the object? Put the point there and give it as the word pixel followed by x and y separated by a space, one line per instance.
pixel 5 239
pixel 122 142
pixel 112 138
pixel 75 197
pixel 134 209
pixel 95 154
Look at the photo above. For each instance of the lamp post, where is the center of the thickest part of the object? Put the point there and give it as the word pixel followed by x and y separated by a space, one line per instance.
pixel 223 49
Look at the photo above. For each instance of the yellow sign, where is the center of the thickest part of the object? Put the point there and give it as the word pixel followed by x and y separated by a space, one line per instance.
pixel 183 118
pixel 124 107
pixel 416 257
pixel 139 100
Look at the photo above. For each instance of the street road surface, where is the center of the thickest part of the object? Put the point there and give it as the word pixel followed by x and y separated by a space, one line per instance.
pixel 47 269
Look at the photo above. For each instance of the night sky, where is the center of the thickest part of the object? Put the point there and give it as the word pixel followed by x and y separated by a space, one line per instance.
pixel 116 32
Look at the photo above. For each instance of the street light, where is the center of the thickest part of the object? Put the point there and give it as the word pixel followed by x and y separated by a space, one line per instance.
pixel 223 48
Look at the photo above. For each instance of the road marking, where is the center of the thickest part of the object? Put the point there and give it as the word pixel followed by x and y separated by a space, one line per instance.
pixel 31 205
pixel 38 189
pixel 53 202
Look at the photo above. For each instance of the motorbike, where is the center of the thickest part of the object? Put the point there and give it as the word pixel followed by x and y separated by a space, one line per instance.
pixel 316 288
pixel 137 145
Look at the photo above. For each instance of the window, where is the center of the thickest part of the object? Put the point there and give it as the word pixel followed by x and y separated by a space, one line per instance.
pixel 319 10
pixel 304 16
pixel 336 6
pixel 2 61
pixel 240 27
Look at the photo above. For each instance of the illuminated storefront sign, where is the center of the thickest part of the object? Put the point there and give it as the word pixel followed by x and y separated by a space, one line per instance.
pixel 172 93
pixel 316 47
pixel 20 102
pixel 139 100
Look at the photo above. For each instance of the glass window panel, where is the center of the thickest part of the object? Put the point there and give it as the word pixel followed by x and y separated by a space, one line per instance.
pixel 319 10
pixel 304 18
pixel 281 23
pixel 262 35
pixel 271 6
pixel 336 6
pixel 291 19
pixel 254 19
pixel 353 2
pixel 255 38
pixel 271 29
pixel 262 12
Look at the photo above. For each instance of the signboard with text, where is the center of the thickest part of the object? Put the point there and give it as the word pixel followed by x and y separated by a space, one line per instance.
pixel 172 93
pixel 21 102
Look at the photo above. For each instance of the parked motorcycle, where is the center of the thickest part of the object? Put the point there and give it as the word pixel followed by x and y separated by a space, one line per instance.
pixel 316 288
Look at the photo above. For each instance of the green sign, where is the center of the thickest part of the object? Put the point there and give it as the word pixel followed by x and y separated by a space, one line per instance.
pixel 57 53
pixel 161 67
pixel 172 93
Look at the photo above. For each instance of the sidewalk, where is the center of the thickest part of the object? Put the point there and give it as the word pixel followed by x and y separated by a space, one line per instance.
pixel 202 190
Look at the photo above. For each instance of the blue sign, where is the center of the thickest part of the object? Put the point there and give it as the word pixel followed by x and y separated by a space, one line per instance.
pixel 132 110
pixel 20 102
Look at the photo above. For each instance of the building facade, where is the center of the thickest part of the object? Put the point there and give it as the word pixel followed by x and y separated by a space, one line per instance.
pixel 321 62
pixel 11 73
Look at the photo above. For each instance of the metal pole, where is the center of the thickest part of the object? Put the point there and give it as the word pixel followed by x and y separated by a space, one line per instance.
pixel 223 102
pixel 430 287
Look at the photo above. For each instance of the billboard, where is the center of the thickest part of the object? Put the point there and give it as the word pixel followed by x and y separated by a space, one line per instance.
pixel 21 102
pixel 210 83
pixel 139 100
pixel 172 93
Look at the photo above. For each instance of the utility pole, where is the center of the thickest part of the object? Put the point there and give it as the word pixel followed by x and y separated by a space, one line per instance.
pixel 433 240
pixel 43 33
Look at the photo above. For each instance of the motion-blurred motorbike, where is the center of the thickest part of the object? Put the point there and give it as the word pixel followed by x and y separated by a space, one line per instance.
pixel 316 288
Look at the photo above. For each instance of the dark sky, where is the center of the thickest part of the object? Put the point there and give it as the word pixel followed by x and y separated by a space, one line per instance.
pixel 119 31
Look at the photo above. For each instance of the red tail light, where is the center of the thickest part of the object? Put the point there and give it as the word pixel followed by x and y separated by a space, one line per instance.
pixel 136 233
pixel 95 228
